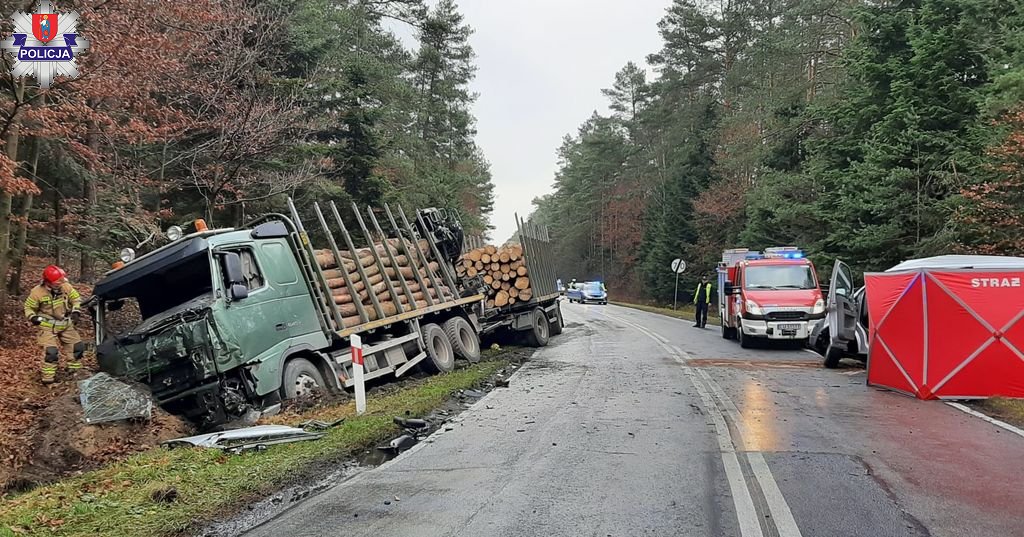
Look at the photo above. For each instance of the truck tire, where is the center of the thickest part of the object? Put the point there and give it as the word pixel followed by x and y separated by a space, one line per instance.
pixel 559 323
pixel 540 329
pixel 727 332
pixel 745 341
pixel 440 354
pixel 463 338
pixel 832 357
pixel 301 378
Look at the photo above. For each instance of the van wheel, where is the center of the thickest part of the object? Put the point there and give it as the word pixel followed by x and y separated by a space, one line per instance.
pixel 558 323
pixel 463 339
pixel 440 355
pixel 301 379
pixel 539 332
pixel 832 357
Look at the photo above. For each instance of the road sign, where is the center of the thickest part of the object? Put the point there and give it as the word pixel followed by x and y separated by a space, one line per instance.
pixel 678 267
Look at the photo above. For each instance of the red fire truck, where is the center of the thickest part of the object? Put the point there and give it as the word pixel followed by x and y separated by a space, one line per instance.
pixel 770 295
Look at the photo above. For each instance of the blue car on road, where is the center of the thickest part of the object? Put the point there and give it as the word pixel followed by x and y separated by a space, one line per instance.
pixel 587 292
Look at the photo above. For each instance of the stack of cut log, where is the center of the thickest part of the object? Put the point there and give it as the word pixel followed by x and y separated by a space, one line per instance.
pixel 503 270
pixel 376 283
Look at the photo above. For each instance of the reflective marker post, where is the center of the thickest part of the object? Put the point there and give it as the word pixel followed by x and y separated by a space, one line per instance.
pixel 357 373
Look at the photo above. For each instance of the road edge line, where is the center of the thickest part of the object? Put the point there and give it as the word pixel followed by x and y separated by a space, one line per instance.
pixel 998 423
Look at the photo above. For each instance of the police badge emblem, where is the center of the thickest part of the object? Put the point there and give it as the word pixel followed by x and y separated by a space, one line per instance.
pixel 44 44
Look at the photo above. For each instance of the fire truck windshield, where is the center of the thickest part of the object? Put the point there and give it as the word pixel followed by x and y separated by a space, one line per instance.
pixel 779 277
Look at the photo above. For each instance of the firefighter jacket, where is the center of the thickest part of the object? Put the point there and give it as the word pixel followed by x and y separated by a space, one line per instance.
pixel 705 289
pixel 54 306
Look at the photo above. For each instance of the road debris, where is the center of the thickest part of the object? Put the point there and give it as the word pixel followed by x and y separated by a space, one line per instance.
pixel 400 444
pixel 105 399
pixel 501 383
pixel 317 425
pixel 411 423
pixel 246 439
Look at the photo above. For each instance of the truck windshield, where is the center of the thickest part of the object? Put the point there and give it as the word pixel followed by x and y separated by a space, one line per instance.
pixel 159 291
pixel 780 277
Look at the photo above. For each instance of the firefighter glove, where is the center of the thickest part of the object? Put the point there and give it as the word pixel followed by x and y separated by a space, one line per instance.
pixel 76 316
pixel 36 320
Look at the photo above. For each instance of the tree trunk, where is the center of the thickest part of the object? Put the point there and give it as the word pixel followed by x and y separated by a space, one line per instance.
pixel 21 242
pixel 7 204
pixel 91 194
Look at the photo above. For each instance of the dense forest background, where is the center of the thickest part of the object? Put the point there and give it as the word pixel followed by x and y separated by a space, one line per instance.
pixel 220 109
pixel 871 131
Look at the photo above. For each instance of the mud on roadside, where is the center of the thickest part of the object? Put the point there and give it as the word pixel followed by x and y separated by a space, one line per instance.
pixel 328 473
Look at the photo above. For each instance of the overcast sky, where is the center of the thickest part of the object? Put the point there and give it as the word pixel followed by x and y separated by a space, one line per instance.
pixel 542 64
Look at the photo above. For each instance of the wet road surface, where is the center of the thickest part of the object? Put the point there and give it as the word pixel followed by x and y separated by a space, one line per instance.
pixel 632 423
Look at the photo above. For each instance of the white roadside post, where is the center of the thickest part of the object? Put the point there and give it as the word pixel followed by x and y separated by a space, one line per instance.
pixel 357 372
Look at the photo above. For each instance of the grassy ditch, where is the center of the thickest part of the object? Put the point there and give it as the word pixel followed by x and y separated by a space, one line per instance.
pixel 686 312
pixel 166 492
pixel 1009 410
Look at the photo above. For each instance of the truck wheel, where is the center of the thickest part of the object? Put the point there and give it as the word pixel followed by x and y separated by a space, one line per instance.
pixel 727 332
pixel 463 339
pixel 301 378
pixel 539 332
pixel 440 355
pixel 745 341
pixel 559 323
pixel 832 357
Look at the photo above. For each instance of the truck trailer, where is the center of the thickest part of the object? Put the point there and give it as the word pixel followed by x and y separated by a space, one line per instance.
pixel 224 323
pixel 768 296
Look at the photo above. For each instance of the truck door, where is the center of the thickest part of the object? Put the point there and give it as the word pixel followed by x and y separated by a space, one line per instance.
pixel 842 307
pixel 258 323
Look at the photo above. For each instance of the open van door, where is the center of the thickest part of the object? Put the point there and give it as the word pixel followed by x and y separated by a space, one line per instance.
pixel 842 314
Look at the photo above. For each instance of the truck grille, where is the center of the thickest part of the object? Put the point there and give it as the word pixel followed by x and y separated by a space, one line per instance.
pixel 786 316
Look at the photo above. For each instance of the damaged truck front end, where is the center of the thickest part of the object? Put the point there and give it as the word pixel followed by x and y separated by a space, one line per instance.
pixel 156 323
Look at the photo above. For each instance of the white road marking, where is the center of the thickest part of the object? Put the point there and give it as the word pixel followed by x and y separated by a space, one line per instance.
pixel 783 516
pixel 777 505
pixel 1015 430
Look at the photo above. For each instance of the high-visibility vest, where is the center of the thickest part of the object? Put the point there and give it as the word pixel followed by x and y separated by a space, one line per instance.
pixel 707 293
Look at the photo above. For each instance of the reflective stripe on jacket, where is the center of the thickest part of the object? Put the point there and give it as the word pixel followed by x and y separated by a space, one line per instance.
pixel 54 306
pixel 707 293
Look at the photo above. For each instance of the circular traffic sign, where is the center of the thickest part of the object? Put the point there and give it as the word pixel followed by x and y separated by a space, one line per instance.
pixel 678 266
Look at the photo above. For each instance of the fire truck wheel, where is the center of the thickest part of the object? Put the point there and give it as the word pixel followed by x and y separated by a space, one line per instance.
pixel 440 355
pixel 745 341
pixel 464 340
pixel 727 332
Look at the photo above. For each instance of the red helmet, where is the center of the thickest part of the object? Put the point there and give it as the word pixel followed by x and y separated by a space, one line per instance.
pixel 53 274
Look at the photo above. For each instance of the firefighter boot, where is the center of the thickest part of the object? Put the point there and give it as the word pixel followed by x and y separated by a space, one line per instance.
pixel 49 368
pixel 75 365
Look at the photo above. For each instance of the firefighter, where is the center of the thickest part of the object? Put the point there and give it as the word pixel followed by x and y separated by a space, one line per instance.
pixel 55 307
pixel 702 299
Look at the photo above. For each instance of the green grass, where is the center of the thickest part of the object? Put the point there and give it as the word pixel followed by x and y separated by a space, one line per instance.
pixel 116 500
pixel 1008 410
pixel 686 312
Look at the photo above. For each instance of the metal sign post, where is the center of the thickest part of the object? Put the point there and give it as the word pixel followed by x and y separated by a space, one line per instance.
pixel 678 266
pixel 357 372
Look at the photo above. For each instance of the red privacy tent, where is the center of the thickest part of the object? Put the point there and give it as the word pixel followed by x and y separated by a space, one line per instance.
pixel 948 327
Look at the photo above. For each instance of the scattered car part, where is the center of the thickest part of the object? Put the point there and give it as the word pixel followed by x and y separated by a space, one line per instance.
pixel 105 399
pixel 399 444
pixel 246 438
pixel 411 423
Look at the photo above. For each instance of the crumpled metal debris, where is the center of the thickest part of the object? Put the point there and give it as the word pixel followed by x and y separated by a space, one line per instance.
pixel 245 439
pixel 399 444
pixel 317 425
pixel 105 399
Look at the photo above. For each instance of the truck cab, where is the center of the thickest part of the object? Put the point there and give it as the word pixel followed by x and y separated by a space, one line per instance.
pixel 208 320
pixel 768 296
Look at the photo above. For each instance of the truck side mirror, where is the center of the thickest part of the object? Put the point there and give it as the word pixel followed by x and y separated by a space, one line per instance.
pixel 231 263
pixel 727 288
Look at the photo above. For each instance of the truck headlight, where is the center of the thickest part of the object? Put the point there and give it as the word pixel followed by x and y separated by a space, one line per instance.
pixel 753 308
pixel 127 255
pixel 174 233
pixel 819 307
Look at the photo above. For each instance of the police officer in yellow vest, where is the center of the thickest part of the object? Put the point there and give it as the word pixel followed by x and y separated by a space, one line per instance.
pixel 54 306
pixel 702 299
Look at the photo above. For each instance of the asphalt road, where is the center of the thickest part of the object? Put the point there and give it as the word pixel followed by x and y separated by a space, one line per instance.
pixel 633 424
